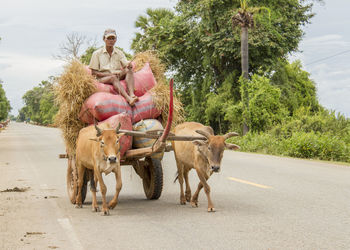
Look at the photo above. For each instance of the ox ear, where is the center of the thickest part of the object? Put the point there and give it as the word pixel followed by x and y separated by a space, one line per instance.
pixel 232 146
pixel 94 139
pixel 198 142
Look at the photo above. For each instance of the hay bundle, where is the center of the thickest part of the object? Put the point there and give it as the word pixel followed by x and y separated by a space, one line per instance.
pixel 160 92
pixel 75 85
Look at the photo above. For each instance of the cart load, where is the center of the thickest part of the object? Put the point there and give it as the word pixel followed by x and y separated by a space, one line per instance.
pixel 82 101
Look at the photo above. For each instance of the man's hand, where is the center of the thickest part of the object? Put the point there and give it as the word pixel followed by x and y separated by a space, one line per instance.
pixel 129 66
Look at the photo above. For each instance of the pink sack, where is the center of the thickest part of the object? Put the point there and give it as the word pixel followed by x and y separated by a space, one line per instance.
pixel 143 81
pixel 103 105
pixel 102 87
pixel 144 108
pixel 125 122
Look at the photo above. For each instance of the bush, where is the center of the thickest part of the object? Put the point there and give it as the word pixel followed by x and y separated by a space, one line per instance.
pixel 319 146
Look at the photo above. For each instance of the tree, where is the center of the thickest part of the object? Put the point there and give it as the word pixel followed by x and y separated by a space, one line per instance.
pixel 297 89
pixel 40 105
pixel 71 48
pixel 200 48
pixel 5 106
pixel 244 19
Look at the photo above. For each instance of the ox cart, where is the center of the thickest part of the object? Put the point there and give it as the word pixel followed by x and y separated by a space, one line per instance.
pixel 149 169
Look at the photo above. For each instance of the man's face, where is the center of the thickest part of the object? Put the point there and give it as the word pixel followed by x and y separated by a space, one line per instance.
pixel 110 41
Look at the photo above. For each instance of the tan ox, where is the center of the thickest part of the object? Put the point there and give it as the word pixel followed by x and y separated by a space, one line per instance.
pixel 204 156
pixel 98 149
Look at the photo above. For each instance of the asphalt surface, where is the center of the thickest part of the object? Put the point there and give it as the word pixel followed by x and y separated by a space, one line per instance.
pixel 262 202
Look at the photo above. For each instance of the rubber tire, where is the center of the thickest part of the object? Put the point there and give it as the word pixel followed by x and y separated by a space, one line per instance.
pixel 153 178
pixel 72 185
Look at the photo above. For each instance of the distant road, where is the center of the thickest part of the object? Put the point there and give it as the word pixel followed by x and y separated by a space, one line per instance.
pixel 262 202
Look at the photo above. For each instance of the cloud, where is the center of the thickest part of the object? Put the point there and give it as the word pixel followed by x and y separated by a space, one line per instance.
pixel 23 72
pixel 4 66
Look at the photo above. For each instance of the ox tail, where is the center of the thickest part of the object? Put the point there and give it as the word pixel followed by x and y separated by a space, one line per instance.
pixel 176 176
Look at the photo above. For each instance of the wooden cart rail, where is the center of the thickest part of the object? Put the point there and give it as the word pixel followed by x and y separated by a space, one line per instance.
pixel 157 134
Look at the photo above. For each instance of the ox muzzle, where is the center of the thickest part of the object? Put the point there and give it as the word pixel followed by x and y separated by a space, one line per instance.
pixel 215 169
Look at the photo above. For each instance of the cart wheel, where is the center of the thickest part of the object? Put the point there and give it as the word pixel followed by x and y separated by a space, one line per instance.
pixel 152 178
pixel 72 182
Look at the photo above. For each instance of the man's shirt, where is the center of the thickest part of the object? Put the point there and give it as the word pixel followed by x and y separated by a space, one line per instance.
pixel 101 61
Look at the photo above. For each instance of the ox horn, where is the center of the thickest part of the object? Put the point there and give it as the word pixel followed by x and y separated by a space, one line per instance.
pixel 99 131
pixel 204 133
pixel 230 134
pixel 118 127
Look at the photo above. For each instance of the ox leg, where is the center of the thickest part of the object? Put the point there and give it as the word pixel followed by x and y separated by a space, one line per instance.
pixel 95 207
pixel 194 201
pixel 105 210
pixel 118 178
pixel 203 179
pixel 81 171
pixel 180 176
pixel 188 188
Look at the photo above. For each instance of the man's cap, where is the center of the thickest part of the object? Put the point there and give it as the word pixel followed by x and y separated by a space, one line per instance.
pixel 109 32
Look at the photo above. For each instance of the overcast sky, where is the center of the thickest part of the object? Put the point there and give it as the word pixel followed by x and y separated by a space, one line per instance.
pixel 32 31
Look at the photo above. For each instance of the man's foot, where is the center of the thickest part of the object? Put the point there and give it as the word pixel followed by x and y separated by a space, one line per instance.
pixel 132 100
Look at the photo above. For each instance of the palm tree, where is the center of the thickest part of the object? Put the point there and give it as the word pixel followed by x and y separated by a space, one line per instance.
pixel 244 17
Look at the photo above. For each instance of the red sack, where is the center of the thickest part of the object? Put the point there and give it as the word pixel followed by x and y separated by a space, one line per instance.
pixel 102 105
pixel 125 122
pixel 143 81
pixel 144 108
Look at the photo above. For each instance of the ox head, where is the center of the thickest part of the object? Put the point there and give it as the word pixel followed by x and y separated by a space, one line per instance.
pixel 109 143
pixel 212 149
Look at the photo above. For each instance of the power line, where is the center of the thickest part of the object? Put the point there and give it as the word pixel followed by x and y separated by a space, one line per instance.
pixel 325 58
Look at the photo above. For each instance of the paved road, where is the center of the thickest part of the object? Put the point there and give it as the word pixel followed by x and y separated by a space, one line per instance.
pixel 262 202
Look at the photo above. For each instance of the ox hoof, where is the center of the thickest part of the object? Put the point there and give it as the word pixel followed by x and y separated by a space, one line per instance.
pixel 95 209
pixel 188 197
pixel 112 205
pixel 105 213
pixel 79 206
pixel 182 201
pixel 194 203
pixel 211 209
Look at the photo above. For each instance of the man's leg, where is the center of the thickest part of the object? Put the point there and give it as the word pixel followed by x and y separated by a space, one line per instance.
pixel 128 75
pixel 114 80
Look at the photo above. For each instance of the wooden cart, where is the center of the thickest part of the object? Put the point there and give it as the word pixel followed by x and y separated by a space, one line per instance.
pixel 149 169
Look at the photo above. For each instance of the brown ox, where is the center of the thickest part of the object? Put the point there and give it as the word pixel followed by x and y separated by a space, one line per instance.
pixel 98 149
pixel 204 156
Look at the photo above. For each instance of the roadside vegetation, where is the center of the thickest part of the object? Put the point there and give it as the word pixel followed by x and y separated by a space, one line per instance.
pixel 40 106
pixel 200 43
pixel 5 106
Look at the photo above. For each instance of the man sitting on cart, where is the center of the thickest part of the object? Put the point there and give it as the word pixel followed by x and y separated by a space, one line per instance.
pixel 110 65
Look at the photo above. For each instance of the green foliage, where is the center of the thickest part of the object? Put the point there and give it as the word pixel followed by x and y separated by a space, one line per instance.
pixel 39 106
pixel 322 135
pixel 86 57
pixel 5 106
pixel 316 145
pixel 199 46
pixel 263 101
pixel 297 88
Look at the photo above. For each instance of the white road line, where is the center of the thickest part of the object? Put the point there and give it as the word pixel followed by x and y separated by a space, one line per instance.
pixel 66 225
